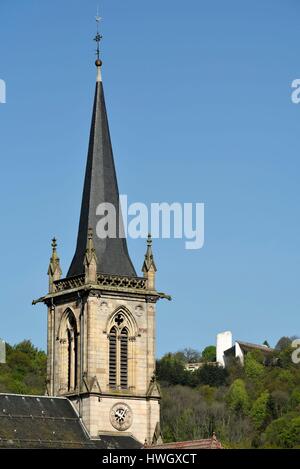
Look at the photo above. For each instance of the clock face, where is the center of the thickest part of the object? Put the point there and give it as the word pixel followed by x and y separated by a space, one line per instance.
pixel 121 416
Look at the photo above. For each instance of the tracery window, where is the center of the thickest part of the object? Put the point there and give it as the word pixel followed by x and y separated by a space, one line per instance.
pixel 124 358
pixel 72 336
pixel 113 358
pixel 68 335
pixel 121 329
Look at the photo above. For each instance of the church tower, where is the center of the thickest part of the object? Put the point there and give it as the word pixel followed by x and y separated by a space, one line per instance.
pixel 101 316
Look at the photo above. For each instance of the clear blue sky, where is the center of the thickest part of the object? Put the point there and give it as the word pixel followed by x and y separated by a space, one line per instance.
pixel 198 95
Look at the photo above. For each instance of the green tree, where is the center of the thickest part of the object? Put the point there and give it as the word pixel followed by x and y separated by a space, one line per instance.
pixel 283 343
pixel 211 375
pixel 283 433
pixel 170 370
pixel 237 398
pixel 253 369
pixel 209 354
pixel 24 371
pixel 295 398
pixel 260 410
pixel 285 357
pixel 207 392
pixel 279 403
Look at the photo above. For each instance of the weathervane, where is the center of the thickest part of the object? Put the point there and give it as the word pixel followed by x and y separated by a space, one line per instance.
pixel 98 36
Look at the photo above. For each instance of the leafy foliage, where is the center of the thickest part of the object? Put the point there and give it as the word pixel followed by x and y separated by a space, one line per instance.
pixel 255 406
pixel 24 371
pixel 209 354
pixel 260 410
pixel 211 375
pixel 237 398
pixel 252 406
pixel 284 433
pixel 254 370
pixel 171 370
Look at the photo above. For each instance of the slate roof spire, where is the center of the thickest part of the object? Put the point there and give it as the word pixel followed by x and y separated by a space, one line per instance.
pixel 100 186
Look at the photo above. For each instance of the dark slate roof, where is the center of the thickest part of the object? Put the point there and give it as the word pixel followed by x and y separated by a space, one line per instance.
pixel 117 442
pixel 248 347
pixel 49 422
pixel 40 422
pixel 100 186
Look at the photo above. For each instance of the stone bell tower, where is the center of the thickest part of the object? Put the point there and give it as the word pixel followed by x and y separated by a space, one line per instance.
pixel 101 316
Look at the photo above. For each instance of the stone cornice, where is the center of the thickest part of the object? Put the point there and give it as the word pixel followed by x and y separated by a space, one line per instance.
pixel 117 395
pixel 86 290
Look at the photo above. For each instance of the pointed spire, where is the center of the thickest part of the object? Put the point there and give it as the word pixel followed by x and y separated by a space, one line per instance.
pixel 90 259
pixel 100 186
pixel 149 268
pixel 54 270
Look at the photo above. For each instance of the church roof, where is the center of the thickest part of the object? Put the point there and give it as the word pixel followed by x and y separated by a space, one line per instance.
pixel 49 422
pixel 107 441
pixel 100 186
pixel 40 422
pixel 209 443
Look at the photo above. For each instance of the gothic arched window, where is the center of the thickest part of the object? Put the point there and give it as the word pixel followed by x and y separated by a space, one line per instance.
pixel 124 358
pixel 68 352
pixel 72 337
pixel 121 327
pixel 113 358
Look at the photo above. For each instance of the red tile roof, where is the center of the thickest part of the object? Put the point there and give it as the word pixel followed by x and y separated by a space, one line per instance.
pixel 209 443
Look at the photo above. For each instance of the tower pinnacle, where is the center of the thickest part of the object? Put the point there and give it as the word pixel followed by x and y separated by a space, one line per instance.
pixel 98 39
pixel 54 270
pixel 149 268
pixel 90 260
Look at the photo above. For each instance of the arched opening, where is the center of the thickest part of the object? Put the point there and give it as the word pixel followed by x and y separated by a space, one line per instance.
pixel 124 358
pixel 72 338
pixel 68 352
pixel 122 330
pixel 113 358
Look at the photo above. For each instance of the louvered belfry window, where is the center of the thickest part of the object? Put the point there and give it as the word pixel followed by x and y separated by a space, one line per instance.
pixel 124 359
pixel 118 353
pixel 113 358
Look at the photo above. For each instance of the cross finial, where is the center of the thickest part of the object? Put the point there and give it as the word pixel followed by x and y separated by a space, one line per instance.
pixel 98 38
pixel 149 240
pixel 54 244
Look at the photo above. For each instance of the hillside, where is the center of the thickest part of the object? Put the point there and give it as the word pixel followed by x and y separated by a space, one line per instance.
pixel 24 371
pixel 256 406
